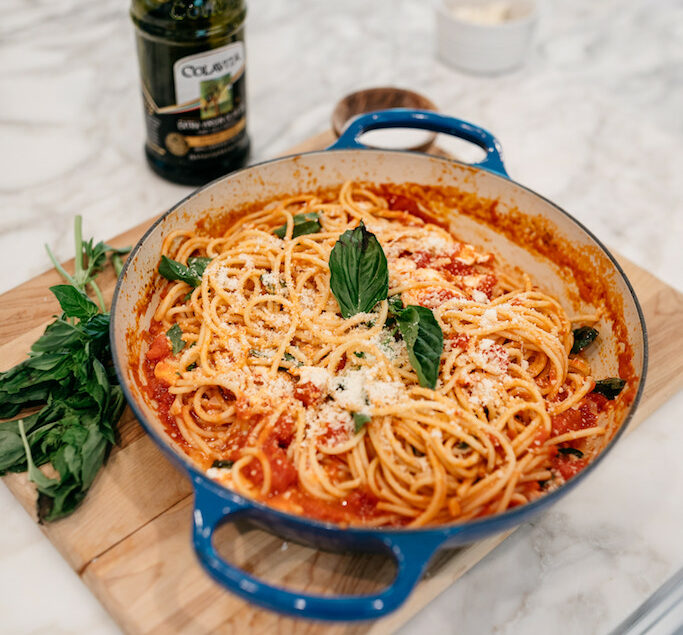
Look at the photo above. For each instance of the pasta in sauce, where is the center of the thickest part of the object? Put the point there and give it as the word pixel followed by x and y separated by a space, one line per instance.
pixel 263 382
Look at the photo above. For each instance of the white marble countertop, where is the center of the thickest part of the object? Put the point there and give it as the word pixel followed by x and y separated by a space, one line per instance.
pixel 594 121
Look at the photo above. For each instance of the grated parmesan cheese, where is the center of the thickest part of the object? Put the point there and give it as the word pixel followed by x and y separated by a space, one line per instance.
pixel 280 320
pixel 385 392
pixel 479 296
pixel 270 280
pixel 329 417
pixel 393 350
pixel 319 377
pixel 225 279
pixel 483 391
pixel 490 356
pixel 436 243
pixel 489 318
pixel 348 389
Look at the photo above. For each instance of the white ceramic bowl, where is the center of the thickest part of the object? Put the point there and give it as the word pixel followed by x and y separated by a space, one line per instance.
pixel 482 47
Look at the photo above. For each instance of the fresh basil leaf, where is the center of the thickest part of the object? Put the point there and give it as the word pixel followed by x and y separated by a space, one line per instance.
pixel 222 463
pixel 424 339
pixel 359 421
pixel 395 304
pixel 190 274
pixel 74 302
pixel 610 387
pixel 192 366
pixel 583 337
pixel 174 270
pixel 93 451
pixel 307 223
pixel 34 474
pixel 12 453
pixel 97 327
pixel 198 264
pixel 571 451
pixel 60 334
pixel 360 354
pixel 175 334
pixel 46 361
pixel 359 274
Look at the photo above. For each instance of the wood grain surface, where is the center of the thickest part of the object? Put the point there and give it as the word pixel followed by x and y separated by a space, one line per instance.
pixel 130 540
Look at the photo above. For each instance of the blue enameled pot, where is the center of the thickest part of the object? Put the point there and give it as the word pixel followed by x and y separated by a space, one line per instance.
pixel 411 549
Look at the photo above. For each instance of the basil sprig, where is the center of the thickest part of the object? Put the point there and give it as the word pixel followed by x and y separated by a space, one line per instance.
pixel 359 274
pixel 610 387
pixel 359 279
pixel 583 337
pixel 68 387
pixel 191 273
pixel 308 223
pixel 424 339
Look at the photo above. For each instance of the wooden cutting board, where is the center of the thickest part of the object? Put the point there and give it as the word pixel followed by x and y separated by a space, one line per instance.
pixel 130 541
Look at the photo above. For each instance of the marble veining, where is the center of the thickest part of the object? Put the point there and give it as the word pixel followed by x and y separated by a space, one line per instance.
pixel 593 121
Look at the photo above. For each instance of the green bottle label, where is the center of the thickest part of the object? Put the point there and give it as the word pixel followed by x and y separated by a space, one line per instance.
pixel 208 117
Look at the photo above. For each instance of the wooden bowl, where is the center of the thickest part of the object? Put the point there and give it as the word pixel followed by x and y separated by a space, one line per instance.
pixel 373 99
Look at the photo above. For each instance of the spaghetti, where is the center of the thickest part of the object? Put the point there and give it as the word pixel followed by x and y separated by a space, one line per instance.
pixel 263 383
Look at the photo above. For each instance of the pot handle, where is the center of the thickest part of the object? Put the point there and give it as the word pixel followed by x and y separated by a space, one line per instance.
pixel 426 120
pixel 214 505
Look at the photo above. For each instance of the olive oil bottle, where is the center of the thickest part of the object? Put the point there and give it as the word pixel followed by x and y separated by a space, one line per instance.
pixel 192 67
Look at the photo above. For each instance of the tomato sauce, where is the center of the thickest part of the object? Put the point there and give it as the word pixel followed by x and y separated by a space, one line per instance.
pixel 402 203
pixel 455 269
pixel 358 507
pixel 159 348
pixel 283 431
pixel 586 267
pixel 432 298
pixel 308 394
pixel 283 474
pixel 333 436
pixel 585 416
pixel 487 284
pixel 567 465
pixel 459 340
pixel 157 390
pixel 341 365
pixel 440 262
